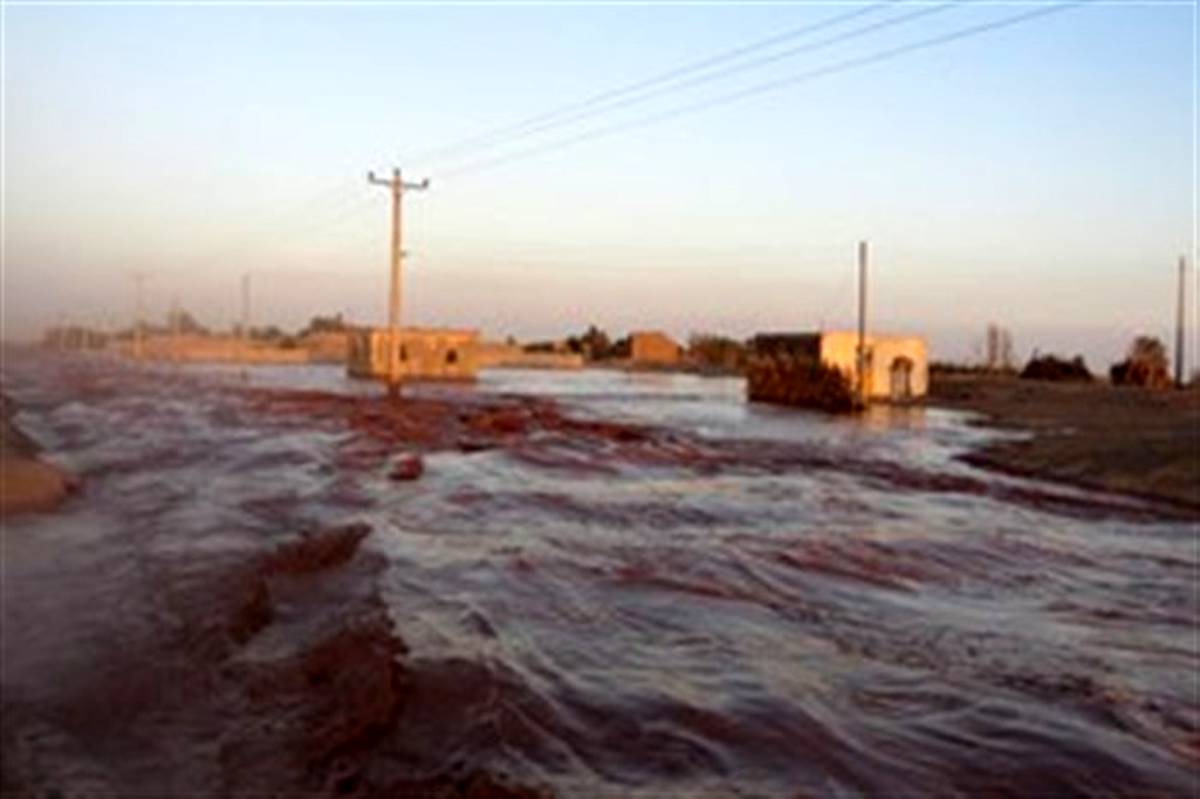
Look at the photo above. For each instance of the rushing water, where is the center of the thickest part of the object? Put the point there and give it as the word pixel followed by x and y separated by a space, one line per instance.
pixel 809 606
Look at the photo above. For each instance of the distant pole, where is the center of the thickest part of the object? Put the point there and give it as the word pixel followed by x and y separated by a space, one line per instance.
pixel 861 360
pixel 244 342
pixel 1180 310
pixel 398 187
pixel 176 349
pixel 139 278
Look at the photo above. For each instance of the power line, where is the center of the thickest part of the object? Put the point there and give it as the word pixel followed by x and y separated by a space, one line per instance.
pixel 719 74
pixel 762 88
pixel 497 135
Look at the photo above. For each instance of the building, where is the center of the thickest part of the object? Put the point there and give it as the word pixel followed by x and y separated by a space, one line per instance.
pixel 653 347
pixel 896 368
pixel 424 353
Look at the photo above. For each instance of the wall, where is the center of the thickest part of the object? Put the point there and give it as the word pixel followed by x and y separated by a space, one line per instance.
pixel 839 349
pixel 213 349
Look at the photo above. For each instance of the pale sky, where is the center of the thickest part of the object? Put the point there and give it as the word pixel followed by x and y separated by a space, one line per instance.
pixel 1042 176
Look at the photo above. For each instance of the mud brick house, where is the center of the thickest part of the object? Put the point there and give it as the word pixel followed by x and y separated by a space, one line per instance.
pixel 896 368
pixel 424 353
pixel 653 347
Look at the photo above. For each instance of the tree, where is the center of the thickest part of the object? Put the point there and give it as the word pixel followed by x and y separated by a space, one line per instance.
pixel 711 351
pixel 594 344
pixel 1051 367
pixel 999 349
pixel 324 324
pixel 178 319
pixel 1145 365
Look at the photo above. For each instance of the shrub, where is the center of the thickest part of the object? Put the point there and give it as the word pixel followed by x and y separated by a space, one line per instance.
pixel 785 379
pixel 1144 365
pixel 1051 367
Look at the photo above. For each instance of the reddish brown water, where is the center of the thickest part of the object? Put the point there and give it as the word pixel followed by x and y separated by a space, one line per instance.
pixel 600 585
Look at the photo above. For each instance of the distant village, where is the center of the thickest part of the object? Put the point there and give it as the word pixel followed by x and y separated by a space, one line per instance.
pixel 832 370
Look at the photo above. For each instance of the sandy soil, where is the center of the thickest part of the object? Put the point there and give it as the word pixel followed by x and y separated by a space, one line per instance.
pixel 27 483
pixel 1127 440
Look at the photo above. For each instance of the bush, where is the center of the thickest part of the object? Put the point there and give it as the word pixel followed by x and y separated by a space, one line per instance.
pixel 719 353
pixel 1051 367
pixel 1145 365
pixel 785 379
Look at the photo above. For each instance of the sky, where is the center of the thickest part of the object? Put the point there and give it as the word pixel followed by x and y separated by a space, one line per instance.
pixel 1041 176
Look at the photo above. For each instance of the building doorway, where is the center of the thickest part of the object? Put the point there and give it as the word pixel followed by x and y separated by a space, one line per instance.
pixel 901 379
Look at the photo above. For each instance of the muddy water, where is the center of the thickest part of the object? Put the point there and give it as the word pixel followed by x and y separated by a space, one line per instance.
pixel 602 584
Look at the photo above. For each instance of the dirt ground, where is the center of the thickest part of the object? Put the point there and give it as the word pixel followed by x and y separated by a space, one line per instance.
pixel 27 483
pixel 1128 440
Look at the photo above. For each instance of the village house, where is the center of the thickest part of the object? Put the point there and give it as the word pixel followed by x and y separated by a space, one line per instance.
pixel 653 347
pixel 896 368
pixel 424 353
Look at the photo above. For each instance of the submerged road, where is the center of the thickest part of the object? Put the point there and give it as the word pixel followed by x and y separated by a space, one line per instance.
pixel 601 584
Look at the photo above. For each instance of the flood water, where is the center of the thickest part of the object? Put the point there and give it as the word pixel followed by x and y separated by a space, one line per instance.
pixel 680 594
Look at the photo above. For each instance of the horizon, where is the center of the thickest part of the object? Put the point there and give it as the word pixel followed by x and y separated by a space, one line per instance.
pixel 1040 176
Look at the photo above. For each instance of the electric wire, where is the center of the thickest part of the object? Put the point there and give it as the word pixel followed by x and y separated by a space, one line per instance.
pixel 493 136
pixel 762 88
pixel 735 69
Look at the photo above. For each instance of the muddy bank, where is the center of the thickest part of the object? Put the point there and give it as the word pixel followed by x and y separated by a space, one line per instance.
pixel 282 675
pixel 1126 440
pixel 27 482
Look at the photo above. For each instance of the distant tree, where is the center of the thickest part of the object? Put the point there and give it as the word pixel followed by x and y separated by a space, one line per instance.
pixel 1145 365
pixel 594 344
pixel 711 351
pixel 324 324
pixel 999 357
pixel 269 333
pixel 179 319
pixel 1051 367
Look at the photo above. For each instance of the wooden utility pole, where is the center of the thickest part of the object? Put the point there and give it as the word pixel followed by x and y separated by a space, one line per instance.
pixel 1180 322
pixel 398 187
pixel 861 352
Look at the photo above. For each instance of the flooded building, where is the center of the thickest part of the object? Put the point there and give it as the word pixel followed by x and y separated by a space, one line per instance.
pixel 653 347
pixel 896 368
pixel 424 353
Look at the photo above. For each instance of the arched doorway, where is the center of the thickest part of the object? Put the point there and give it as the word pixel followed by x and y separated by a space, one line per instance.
pixel 900 384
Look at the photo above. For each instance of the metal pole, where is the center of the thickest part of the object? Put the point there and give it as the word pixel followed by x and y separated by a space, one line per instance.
pixel 861 360
pixel 138 352
pixel 244 337
pixel 1180 310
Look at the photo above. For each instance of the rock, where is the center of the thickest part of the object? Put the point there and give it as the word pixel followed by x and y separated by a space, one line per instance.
pixel 28 485
pixel 408 466
pixel 317 551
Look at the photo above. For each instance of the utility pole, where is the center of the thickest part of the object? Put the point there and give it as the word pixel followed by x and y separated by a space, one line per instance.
pixel 139 279
pixel 244 331
pixel 398 187
pixel 1180 321
pixel 861 360
pixel 176 350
